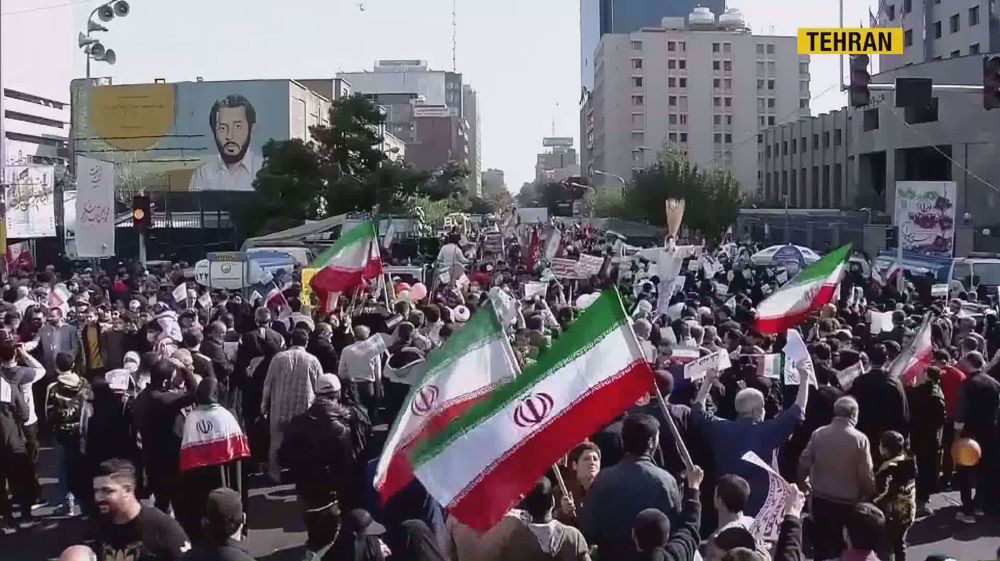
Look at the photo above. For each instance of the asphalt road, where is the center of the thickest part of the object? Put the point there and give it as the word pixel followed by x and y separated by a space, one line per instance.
pixel 277 533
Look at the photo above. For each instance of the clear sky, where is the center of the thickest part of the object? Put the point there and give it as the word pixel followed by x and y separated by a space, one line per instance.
pixel 522 56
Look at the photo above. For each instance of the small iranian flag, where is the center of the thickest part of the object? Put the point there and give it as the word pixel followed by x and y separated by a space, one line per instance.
pixel 471 364
pixel 349 262
pixel 910 365
pixel 769 366
pixel 211 437
pixel 483 461
pixel 809 291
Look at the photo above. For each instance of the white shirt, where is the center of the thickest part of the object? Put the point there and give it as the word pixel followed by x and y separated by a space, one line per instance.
pixel 215 175
pixel 362 361
pixel 23 304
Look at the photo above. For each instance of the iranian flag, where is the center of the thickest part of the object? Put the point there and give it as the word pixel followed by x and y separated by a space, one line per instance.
pixel 809 291
pixel 211 437
pixel 349 262
pixel 483 461
pixel 910 365
pixel 472 363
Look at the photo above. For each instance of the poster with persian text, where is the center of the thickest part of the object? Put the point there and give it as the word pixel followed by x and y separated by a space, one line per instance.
pixel 925 215
pixel 30 201
pixel 95 208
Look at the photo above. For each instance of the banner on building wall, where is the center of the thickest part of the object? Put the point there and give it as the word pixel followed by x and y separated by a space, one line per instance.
pixel 925 215
pixel 30 205
pixel 95 208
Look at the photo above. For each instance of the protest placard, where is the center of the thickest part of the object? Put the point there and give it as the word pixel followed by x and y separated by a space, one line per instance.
pixel 768 520
pixel 564 268
pixel 796 353
pixel 696 369
pixel 533 289
pixel 588 266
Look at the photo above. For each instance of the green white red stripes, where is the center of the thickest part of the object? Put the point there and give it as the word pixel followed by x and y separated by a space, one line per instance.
pixel 211 437
pixel 353 259
pixel 474 361
pixel 809 291
pixel 479 465
pixel 911 364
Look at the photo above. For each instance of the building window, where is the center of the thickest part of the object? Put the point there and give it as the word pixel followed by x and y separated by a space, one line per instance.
pixel 803 67
pixel 760 85
pixel 974 49
pixel 729 120
pixel 637 63
pixel 803 144
pixel 637 100
pixel 907 6
pixel 973 16
pixel 956 54
pixel 716 83
pixel 770 69
pixel 760 139
pixel 684 137
pixel 908 38
pixel 762 121
pixel 804 103
pixel 671 46
pixel 937 30
pixel 728 101
pixel 767 151
pixel 870 121
pixel 637 81
pixel 727 47
pixel 770 48
pixel 683 45
pixel 770 85
pixel 717 101
pixel 793 146
pixel 671 82
pixel 672 136
pixel 684 102
pixel 760 48
pixel 926 114
pixel 891 12
pixel 683 82
pixel 672 101
pixel 682 64
pixel 637 121
pixel 770 121
pixel 637 45
pixel 760 68
pixel 826 139
pixel 727 65
pixel 953 23
pixel 770 103
pixel 715 47
pixel 784 147
pixel 672 119
pixel 729 138
pixel 816 141
pixel 838 137
pixel 671 64
pixel 727 84
pixel 760 105
pixel 717 119
pixel 717 137
pixel 716 65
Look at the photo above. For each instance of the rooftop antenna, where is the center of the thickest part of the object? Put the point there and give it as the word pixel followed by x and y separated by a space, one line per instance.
pixel 554 119
pixel 454 42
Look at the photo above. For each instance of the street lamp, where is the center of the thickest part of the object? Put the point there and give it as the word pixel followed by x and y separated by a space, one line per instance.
pixel 93 47
pixel 642 150
pixel 613 176
pixel 591 189
pixel 869 211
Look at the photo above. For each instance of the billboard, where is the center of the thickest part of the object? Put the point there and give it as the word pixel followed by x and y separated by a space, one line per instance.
pixel 925 215
pixel 95 208
pixel 187 136
pixel 30 201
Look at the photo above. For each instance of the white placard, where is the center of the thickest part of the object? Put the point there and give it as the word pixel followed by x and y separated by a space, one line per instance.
pixel 721 289
pixel 694 265
pixel 940 291
pixel 847 376
pixel 533 289
pixel 95 208
pixel 30 202
pixel 781 277
pixel 180 293
pixel 796 352
pixel 768 520
pixel 696 369
pixel 118 380
pixel 588 266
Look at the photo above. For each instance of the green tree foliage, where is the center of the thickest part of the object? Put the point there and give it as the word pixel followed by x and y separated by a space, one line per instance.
pixel 342 171
pixel 713 198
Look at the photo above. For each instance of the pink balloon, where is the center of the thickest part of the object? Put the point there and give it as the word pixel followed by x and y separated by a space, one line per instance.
pixel 419 291
pixel 402 286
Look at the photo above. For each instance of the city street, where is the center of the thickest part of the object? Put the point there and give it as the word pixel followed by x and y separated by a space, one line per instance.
pixel 277 533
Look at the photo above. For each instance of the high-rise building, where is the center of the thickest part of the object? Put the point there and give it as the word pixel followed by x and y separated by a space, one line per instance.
pixel 600 17
pixel 470 109
pixel 35 129
pixel 410 92
pixel 493 182
pixel 706 86
pixel 558 161
pixel 939 30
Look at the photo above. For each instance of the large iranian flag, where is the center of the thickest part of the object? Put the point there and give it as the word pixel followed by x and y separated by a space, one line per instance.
pixel 910 365
pixel 482 462
pixel 809 291
pixel 472 363
pixel 349 262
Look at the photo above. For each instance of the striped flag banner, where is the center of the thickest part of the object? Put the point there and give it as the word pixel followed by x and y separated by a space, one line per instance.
pixel 809 291
pixel 769 365
pixel 480 465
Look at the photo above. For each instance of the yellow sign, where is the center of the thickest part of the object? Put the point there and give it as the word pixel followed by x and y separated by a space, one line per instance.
pixel 832 41
pixel 132 117
pixel 307 291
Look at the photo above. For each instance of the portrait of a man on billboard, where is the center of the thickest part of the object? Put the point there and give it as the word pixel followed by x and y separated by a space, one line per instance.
pixel 232 120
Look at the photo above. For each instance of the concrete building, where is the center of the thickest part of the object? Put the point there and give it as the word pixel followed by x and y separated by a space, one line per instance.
pixel 601 17
pixel 938 30
pixel 493 182
pixel 410 92
pixel 35 129
pixel 852 158
pixel 705 85
pixel 558 161
pixel 470 110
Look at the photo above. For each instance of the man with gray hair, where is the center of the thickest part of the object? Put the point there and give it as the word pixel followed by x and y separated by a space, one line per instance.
pixel 361 365
pixel 837 465
pixel 78 553
pixel 730 440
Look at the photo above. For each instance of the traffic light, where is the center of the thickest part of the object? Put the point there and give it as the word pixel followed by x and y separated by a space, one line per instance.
pixel 142 217
pixel 991 82
pixel 858 92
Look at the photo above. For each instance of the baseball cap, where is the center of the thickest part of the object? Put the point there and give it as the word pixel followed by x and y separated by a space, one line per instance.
pixel 327 383
pixel 361 522
pixel 224 507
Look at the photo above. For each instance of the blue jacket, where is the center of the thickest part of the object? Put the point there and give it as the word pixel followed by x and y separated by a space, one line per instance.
pixel 618 495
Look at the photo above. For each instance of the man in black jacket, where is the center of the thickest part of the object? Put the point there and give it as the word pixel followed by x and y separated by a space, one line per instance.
pixel 882 404
pixel 318 450
pixel 214 348
pixel 652 533
pixel 978 403
pixel 321 347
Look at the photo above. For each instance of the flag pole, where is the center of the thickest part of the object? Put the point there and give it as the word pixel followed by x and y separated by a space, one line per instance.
pixel 678 442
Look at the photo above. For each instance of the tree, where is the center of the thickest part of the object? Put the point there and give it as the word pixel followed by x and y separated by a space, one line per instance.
pixel 712 198
pixel 350 141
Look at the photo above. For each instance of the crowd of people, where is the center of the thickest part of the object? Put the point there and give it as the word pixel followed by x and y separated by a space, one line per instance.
pixel 131 386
